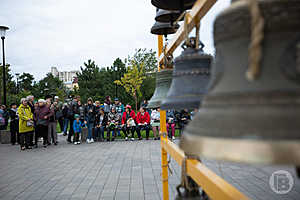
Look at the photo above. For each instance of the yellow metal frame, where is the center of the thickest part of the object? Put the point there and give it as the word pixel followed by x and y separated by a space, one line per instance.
pixel 212 184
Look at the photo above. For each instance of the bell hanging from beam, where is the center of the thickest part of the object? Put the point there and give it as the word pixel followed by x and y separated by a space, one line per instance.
pixel 167 15
pixel 191 76
pixel 251 113
pixel 160 28
pixel 173 4
pixel 163 82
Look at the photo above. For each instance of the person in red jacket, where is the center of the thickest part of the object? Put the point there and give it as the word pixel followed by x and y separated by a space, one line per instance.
pixel 128 122
pixel 143 123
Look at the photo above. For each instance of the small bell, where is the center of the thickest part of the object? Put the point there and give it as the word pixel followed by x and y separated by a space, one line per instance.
pixel 173 4
pixel 246 120
pixel 160 28
pixel 163 82
pixel 191 76
pixel 167 15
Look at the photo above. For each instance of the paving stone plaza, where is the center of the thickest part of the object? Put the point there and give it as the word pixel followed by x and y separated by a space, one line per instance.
pixel 114 170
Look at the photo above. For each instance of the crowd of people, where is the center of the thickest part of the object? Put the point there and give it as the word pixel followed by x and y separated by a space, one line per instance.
pixel 33 120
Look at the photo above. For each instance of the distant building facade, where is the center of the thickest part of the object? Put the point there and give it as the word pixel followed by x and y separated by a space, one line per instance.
pixel 68 77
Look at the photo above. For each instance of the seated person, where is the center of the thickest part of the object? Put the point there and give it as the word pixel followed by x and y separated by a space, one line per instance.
pixel 113 122
pixel 143 123
pixel 155 122
pixel 184 119
pixel 171 123
pixel 128 122
pixel 100 124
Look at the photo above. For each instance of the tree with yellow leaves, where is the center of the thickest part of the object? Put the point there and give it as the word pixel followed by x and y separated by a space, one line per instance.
pixel 132 80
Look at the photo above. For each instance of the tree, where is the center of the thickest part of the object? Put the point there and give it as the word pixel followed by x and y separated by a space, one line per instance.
pixel 147 57
pixel 49 85
pixel 10 84
pixel 26 81
pixel 149 60
pixel 132 80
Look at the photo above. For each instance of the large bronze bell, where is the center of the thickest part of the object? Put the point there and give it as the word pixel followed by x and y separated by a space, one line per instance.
pixel 173 4
pixel 163 82
pixel 191 76
pixel 160 28
pixel 167 15
pixel 252 121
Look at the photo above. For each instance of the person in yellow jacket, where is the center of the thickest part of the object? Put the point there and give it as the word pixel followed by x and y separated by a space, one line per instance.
pixel 26 125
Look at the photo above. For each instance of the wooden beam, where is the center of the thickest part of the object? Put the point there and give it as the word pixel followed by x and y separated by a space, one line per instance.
pixel 200 8
pixel 212 184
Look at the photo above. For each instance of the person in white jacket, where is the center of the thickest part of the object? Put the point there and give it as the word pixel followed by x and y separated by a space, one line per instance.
pixel 155 122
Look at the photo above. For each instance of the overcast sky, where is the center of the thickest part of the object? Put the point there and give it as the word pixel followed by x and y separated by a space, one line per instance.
pixel 66 33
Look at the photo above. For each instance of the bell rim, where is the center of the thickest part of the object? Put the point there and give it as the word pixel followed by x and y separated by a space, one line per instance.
pixel 167 6
pixel 242 151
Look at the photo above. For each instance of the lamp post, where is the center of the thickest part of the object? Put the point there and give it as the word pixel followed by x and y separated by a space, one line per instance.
pixel 2 34
pixel 116 78
pixel 17 76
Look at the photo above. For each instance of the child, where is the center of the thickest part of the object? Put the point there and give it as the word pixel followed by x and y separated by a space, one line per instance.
pixel 77 125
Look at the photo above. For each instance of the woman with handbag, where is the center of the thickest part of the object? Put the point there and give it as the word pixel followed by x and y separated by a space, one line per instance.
pixel 42 115
pixel 26 125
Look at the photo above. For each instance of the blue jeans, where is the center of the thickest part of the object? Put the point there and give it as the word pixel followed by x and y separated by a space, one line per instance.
pixel 99 132
pixel 90 130
pixel 66 123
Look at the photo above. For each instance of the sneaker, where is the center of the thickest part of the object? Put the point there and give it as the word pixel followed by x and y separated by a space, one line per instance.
pixel 92 140
pixel 88 141
pixel 78 142
pixel 132 139
pixel 75 143
pixel 140 138
pixel 126 138
pixel 173 138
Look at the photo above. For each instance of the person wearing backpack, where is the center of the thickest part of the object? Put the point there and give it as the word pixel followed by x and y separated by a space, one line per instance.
pixel 26 124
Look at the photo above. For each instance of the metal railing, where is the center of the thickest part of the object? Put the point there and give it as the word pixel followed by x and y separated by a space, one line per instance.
pixel 214 186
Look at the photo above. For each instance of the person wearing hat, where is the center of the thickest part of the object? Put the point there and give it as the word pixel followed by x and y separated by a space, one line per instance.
pixel 14 124
pixel 26 125
pixel 77 125
pixel 42 115
pixel 128 122
pixel 90 113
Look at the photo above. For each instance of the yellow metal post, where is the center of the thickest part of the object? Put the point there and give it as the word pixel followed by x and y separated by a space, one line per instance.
pixel 163 131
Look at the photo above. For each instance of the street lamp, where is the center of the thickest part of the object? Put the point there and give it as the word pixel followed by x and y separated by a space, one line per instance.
pixel 17 76
pixel 116 78
pixel 2 34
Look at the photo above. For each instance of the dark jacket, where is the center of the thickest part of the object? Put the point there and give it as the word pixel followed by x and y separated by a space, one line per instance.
pixel 65 111
pixel 170 115
pixel 104 121
pixel 90 113
pixel 81 110
pixel 40 114
pixel 13 115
